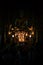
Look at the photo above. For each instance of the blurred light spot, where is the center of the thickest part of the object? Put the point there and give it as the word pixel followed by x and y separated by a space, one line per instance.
pixel 16 34
pixel 26 34
pixel 12 28
pixel 17 29
pixel 32 33
pixel 21 37
pixel 31 28
pixel 12 35
pixel 30 36
pixel 9 32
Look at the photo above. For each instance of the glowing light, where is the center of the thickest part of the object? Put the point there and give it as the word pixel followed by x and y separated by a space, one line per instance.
pixel 19 40
pixel 16 34
pixel 21 37
pixel 9 32
pixel 12 29
pixel 32 33
pixel 30 36
pixel 12 35
pixel 17 29
pixel 26 34
pixel 31 28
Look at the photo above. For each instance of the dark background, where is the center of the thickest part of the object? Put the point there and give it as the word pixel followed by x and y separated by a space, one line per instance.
pixel 32 9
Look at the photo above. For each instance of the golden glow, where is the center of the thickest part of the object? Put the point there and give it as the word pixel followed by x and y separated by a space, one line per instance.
pixel 33 33
pixel 26 34
pixel 9 32
pixel 19 40
pixel 21 37
pixel 31 28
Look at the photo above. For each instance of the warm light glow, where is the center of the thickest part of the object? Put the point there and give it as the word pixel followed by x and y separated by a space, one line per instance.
pixel 19 40
pixel 31 28
pixel 12 35
pixel 26 34
pixel 30 36
pixel 21 37
pixel 17 29
pixel 9 32
pixel 16 34
pixel 33 33
pixel 12 28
